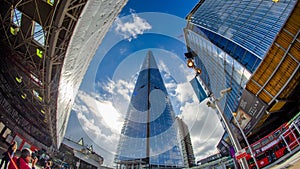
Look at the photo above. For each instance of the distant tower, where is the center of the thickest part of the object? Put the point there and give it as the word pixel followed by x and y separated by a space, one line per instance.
pixel 149 137
pixel 186 144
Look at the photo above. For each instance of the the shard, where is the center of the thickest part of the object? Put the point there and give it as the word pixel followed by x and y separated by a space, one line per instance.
pixel 149 137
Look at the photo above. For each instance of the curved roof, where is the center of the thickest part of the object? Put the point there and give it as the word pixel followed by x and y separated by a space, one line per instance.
pixel 47 47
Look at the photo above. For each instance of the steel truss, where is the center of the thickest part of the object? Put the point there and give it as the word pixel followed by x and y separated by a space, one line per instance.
pixel 31 67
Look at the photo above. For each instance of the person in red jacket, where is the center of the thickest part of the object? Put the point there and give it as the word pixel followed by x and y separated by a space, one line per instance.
pixel 8 154
pixel 23 161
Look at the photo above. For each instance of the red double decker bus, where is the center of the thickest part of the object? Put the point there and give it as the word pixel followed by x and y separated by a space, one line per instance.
pixel 274 145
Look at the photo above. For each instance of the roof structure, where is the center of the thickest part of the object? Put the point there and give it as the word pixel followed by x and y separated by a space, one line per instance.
pixel 46 47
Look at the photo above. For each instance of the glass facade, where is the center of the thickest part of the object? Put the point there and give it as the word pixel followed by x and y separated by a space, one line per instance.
pixel 39 34
pixel 150 131
pixel 16 17
pixel 230 39
pixel 251 24
pixel 221 70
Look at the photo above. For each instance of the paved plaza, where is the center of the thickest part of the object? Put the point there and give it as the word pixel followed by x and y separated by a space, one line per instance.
pixel 292 162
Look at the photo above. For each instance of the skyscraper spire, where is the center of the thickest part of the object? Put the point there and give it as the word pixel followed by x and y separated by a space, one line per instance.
pixel 149 133
pixel 149 62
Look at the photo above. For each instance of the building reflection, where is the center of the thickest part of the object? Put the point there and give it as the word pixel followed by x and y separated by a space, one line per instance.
pixel 149 137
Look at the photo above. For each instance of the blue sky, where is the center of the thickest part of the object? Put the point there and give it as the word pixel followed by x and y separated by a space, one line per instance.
pixel 104 95
pixel 178 8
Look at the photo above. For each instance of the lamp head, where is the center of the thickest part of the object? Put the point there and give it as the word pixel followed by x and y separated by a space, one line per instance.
pixel 198 71
pixel 190 63
pixel 224 91
pixel 211 104
pixel 188 55
pixel 234 114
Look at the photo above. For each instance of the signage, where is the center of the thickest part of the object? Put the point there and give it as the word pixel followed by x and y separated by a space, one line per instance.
pixel 240 154
pixel 250 111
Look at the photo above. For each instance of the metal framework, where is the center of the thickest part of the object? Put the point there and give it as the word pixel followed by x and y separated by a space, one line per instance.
pixel 34 38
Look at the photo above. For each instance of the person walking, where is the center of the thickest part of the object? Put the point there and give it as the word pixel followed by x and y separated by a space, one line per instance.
pixel 23 161
pixel 8 154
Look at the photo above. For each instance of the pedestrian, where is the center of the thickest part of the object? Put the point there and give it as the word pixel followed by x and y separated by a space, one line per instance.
pixel 48 165
pixel 23 161
pixel 8 154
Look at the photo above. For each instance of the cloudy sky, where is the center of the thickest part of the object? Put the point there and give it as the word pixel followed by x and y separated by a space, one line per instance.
pixel 101 103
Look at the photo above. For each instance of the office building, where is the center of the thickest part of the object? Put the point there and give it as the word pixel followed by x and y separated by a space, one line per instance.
pixel 186 144
pixel 149 137
pixel 251 48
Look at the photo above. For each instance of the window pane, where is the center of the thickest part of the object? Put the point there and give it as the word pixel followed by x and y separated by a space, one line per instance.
pixel 17 15
pixel 39 35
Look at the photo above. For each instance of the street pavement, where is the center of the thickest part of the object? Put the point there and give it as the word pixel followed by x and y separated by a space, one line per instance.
pixel 292 162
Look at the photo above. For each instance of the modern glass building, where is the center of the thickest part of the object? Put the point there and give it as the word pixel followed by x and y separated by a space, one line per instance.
pixel 229 40
pixel 186 144
pixel 149 137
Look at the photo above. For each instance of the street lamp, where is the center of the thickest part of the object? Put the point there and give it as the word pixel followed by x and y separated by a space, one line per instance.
pixel 214 104
pixel 198 71
pixel 245 138
pixel 190 63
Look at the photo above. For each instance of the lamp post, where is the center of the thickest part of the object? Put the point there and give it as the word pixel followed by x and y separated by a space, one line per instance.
pixel 236 144
pixel 214 104
pixel 246 140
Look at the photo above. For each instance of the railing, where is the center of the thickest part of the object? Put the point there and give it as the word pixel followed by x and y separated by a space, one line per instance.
pixel 291 136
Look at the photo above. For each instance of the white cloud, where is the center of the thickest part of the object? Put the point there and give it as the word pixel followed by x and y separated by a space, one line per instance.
pixel 130 30
pixel 119 93
pixel 185 93
pixel 162 66
pixel 205 128
pixel 99 119
pixel 102 120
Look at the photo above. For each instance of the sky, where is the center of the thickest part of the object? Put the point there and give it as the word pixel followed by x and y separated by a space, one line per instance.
pixel 101 103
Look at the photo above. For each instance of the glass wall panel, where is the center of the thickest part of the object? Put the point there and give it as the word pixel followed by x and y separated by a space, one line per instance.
pixel 241 18
pixel 38 34
pixel 16 17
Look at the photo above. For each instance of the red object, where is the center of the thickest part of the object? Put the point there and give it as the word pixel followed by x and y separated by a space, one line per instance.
pixel 273 146
pixel 23 165
pixel 242 155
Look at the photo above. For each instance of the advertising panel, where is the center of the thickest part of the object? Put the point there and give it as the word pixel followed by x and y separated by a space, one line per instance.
pixel 249 112
pixel 223 146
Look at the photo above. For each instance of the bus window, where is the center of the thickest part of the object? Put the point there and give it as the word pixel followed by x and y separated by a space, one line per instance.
pixel 250 161
pixel 277 133
pixel 256 146
pixel 261 156
pixel 281 144
pixel 288 140
pixel 276 148
pixel 265 141
pixel 271 137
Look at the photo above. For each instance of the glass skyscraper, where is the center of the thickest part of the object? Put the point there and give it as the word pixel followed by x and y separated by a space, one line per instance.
pixel 228 41
pixel 149 137
pixel 186 142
